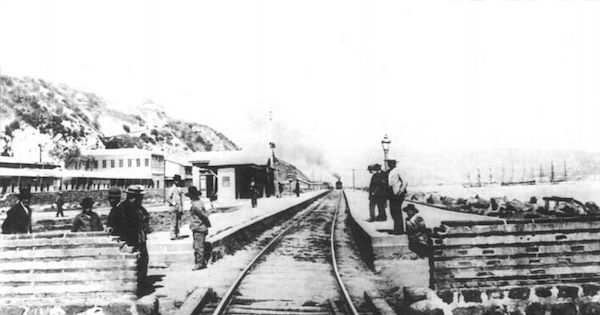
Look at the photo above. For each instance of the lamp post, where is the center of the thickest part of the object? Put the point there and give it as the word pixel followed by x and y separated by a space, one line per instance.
pixel 385 144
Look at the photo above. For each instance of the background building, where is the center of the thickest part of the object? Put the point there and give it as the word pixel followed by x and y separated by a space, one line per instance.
pixel 228 173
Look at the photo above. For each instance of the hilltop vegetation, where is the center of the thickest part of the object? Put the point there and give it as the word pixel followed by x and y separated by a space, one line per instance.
pixel 63 121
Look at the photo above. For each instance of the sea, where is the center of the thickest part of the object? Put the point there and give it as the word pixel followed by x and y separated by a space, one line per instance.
pixel 583 191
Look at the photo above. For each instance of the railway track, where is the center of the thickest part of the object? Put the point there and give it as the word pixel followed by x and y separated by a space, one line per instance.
pixel 295 273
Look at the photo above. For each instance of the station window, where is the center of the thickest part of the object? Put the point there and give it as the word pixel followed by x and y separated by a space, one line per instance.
pixel 95 164
pixel 138 162
pixel 226 181
pixel 147 162
pixel 128 162
pixel 103 163
pixel 112 163
pixel 120 163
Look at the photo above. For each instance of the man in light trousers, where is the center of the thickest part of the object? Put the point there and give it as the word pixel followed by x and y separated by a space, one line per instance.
pixel 175 201
pixel 397 193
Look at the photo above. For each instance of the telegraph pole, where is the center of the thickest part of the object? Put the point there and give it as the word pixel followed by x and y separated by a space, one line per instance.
pixel 353 185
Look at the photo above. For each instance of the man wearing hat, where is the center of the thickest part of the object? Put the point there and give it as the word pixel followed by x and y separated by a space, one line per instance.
pixel 199 224
pixel 18 218
pixel 134 227
pixel 418 239
pixel 377 193
pixel 397 191
pixel 60 201
pixel 87 220
pixel 115 216
pixel 175 201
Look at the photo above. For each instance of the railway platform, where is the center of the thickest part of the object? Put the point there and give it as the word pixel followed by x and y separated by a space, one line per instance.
pixel 388 254
pixel 171 261
pixel 384 243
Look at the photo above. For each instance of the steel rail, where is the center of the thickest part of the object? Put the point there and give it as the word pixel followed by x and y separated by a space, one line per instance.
pixel 347 299
pixel 224 303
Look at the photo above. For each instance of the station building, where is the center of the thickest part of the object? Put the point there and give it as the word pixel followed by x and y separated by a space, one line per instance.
pixel 147 167
pixel 227 174
pixel 15 173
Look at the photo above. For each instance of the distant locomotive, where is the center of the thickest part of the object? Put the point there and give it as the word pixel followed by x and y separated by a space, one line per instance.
pixel 338 185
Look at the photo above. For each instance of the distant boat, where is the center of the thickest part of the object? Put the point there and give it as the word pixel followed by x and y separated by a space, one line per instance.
pixel 525 182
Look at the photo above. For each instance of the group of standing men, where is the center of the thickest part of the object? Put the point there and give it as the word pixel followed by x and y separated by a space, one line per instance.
pixel 384 186
pixel 388 185
pixel 199 222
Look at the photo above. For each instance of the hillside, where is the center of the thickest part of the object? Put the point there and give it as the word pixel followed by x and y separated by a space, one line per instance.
pixel 62 121
pixel 286 171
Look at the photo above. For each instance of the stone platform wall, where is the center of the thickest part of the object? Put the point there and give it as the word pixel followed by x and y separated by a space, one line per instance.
pixel 506 254
pixel 549 266
pixel 71 271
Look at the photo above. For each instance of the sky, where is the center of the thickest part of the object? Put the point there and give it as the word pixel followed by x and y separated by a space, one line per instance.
pixel 337 75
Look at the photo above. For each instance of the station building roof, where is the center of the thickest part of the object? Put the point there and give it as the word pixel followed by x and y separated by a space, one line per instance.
pixel 230 158
pixel 121 151
pixel 13 162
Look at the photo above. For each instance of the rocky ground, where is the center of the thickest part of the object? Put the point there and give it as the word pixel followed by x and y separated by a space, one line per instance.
pixel 506 208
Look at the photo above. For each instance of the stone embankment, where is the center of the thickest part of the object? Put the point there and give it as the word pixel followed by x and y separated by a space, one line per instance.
pixel 547 266
pixel 67 273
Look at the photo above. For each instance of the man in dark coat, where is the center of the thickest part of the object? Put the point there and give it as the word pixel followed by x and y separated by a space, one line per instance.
pixel 135 225
pixel 418 234
pixel 115 215
pixel 378 189
pixel 87 220
pixel 253 193
pixel 18 218
pixel 60 201
pixel 297 189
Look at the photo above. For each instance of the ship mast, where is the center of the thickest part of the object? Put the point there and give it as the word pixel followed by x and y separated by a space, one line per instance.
pixel 478 177
pixel 491 176
pixel 469 177
pixel 551 171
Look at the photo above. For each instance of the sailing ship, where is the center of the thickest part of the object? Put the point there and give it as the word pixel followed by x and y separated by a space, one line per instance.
pixel 523 181
pixel 470 184
pixel 553 178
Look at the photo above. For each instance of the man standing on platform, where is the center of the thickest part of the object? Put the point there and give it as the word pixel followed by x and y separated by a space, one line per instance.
pixel 378 189
pixel 253 193
pixel 135 226
pixel 115 215
pixel 175 201
pixel 18 218
pixel 397 193
pixel 297 189
pixel 199 224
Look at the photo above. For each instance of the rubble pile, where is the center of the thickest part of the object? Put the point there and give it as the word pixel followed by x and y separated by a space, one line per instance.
pixel 503 207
